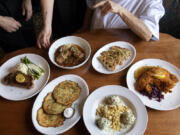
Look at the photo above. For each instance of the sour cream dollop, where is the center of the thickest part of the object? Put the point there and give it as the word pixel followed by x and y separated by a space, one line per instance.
pixel 68 112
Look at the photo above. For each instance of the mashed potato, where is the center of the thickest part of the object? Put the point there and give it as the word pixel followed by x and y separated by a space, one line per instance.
pixel 115 100
pixel 128 117
pixel 21 67
pixel 103 123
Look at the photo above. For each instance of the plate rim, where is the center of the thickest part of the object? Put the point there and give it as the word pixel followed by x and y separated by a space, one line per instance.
pixel 55 79
pixel 47 79
pixel 121 87
pixel 155 108
pixel 114 72
pixel 72 67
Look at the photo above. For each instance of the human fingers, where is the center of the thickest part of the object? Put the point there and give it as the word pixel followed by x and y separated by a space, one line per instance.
pixel 48 37
pixel 11 30
pixel 28 14
pixel 47 41
pixel 14 27
pixel 114 7
pixel 23 11
pixel 39 41
pixel 99 4
pixel 18 24
pixel 105 12
pixel 39 45
pixel 105 9
pixel 44 42
pixel 15 23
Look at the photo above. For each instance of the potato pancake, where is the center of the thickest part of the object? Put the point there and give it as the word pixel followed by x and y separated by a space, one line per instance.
pixel 66 92
pixel 113 57
pixel 50 106
pixel 108 61
pixel 47 120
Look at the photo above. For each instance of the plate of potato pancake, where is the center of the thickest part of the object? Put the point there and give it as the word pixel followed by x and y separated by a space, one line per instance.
pixel 67 91
pixel 113 57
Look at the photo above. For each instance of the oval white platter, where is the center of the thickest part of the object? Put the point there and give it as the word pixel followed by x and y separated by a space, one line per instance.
pixel 77 105
pixel 130 99
pixel 16 93
pixel 171 100
pixel 70 40
pixel 100 68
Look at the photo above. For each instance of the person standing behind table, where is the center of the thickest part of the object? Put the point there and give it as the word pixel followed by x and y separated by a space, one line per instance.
pixel 16 27
pixel 66 18
pixel 141 16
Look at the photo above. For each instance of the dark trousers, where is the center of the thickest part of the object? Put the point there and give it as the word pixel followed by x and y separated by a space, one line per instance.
pixel 24 37
pixel 68 17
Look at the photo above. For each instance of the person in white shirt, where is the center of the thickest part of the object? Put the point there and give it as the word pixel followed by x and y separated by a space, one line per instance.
pixel 141 16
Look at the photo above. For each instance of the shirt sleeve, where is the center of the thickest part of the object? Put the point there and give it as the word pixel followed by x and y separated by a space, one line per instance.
pixel 152 11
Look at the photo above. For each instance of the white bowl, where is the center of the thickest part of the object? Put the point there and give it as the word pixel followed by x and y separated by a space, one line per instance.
pixel 70 40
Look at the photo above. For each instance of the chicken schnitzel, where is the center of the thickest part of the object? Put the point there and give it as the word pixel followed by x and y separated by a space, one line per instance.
pixel 155 79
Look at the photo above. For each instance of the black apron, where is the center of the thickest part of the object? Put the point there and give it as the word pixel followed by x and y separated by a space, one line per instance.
pixel 25 36
pixel 68 16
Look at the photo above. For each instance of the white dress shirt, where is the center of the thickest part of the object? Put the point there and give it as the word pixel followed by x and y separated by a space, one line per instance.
pixel 148 11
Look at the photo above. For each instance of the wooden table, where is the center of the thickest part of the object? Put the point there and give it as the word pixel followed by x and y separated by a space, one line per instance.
pixel 15 116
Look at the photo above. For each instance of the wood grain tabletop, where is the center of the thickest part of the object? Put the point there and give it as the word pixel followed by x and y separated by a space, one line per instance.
pixel 15 116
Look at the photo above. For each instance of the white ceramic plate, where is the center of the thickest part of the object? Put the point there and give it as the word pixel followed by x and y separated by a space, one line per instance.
pixel 171 100
pixel 77 105
pixel 92 102
pixel 16 93
pixel 100 68
pixel 70 40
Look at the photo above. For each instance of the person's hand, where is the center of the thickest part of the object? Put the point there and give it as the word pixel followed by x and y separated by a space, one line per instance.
pixel 107 6
pixel 44 37
pixel 27 9
pixel 9 24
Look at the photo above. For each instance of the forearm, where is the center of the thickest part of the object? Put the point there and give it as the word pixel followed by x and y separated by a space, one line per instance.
pixel 135 24
pixel 47 11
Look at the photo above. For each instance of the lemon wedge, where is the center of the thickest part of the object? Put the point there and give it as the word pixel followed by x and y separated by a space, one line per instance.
pixel 159 75
pixel 20 78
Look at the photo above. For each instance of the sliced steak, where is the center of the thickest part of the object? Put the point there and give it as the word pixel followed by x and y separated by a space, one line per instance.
pixel 10 79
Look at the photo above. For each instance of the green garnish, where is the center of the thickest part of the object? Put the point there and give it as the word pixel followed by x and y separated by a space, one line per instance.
pixel 25 60
pixel 34 70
